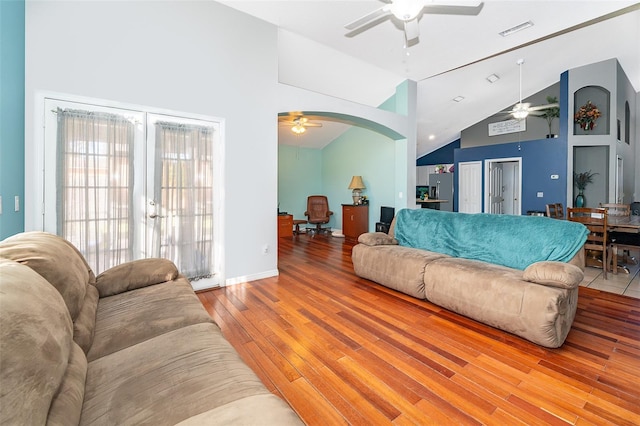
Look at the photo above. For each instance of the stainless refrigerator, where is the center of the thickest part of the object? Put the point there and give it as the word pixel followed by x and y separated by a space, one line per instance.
pixel 441 185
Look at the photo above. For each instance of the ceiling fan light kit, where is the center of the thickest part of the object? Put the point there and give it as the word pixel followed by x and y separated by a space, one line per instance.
pixel 298 123
pixel 521 110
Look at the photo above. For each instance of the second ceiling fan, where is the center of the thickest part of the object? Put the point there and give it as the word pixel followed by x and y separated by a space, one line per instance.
pixel 521 110
pixel 408 13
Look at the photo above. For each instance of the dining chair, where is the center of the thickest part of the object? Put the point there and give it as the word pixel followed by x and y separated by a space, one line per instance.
pixel 555 211
pixel 616 209
pixel 595 219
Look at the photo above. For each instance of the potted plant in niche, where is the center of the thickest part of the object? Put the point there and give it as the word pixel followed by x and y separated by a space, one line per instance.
pixel 581 180
pixel 551 114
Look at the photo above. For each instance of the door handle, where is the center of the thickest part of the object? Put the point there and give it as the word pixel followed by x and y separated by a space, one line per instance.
pixel 153 214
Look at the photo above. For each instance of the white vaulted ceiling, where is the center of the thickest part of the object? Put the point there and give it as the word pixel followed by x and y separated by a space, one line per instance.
pixel 454 56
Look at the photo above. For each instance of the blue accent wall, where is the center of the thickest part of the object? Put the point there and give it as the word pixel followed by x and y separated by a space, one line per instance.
pixel 443 155
pixel 12 45
pixel 540 159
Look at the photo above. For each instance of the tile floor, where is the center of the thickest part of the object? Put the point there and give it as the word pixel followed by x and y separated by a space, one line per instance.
pixel 622 283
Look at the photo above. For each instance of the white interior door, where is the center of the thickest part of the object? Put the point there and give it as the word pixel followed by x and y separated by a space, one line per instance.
pixel 470 187
pixel 496 189
pixel 503 186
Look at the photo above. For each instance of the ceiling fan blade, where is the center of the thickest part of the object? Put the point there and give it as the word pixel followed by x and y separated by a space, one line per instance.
pixel 441 9
pixel 411 30
pixel 312 124
pixel 541 107
pixel 371 16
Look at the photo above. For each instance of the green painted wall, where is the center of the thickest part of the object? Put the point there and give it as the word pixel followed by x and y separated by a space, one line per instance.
pixel 303 172
pixel 359 152
pixel 299 175
pixel 12 38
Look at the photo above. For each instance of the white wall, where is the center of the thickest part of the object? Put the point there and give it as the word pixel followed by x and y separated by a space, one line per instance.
pixel 196 57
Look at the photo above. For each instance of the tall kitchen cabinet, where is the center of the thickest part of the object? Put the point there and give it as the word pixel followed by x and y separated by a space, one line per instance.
pixel 441 186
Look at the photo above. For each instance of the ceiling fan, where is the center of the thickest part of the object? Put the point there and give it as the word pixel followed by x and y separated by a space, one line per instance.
pixel 298 123
pixel 409 12
pixel 521 110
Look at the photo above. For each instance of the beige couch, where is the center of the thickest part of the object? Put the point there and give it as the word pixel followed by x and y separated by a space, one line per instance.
pixel 131 346
pixel 538 304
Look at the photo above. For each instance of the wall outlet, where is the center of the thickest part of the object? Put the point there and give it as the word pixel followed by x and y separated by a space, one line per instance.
pixel 265 249
pixel 555 177
pixel 540 194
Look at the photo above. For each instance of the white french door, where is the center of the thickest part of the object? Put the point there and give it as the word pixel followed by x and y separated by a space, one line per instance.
pixel 124 184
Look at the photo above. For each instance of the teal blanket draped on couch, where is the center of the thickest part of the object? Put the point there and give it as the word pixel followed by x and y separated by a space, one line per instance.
pixel 513 241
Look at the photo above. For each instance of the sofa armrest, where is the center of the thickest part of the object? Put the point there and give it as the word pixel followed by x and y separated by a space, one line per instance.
pixel 376 239
pixel 135 274
pixel 554 274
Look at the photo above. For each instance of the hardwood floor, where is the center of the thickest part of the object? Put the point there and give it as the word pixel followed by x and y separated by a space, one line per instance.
pixel 343 350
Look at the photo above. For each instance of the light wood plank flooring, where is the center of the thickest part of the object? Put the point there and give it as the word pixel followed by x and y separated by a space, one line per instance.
pixel 343 350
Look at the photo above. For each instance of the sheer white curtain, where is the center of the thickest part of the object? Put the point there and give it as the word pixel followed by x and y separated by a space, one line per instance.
pixel 183 231
pixel 95 179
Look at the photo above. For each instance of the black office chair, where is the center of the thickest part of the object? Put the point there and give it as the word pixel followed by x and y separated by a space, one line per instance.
pixel 386 216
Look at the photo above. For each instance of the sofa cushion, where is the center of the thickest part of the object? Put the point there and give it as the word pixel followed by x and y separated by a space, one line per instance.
pixel 66 406
pixel 396 267
pixel 265 410
pixel 376 239
pixel 498 296
pixel 134 316
pixel 84 325
pixel 167 379
pixel 36 335
pixel 135 274
pixel 57 260
pixel 556 274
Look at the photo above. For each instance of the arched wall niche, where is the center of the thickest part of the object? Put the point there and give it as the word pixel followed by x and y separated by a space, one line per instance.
pixel 599 97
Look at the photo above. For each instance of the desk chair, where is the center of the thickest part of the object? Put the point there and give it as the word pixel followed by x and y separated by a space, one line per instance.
pixel 596 221
pixel 555 211
pixel 318 212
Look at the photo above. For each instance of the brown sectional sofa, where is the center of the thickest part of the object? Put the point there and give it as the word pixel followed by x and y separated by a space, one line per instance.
pixel 131 346
pixel 538 303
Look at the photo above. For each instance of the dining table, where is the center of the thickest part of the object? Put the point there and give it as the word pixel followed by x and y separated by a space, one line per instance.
pixel 623 223
pixel 629 224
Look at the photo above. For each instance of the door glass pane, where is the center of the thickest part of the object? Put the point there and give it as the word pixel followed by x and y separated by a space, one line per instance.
pixel 95 176
pixel 183 195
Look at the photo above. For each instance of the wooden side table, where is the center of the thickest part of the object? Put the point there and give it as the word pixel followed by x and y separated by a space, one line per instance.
pixel 285 225
pixel 355 220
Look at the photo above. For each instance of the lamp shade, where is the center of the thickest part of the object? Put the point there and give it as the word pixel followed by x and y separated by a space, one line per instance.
pixel 356 183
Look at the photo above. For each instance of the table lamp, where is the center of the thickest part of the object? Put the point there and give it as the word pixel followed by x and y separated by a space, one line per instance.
pixel 357 185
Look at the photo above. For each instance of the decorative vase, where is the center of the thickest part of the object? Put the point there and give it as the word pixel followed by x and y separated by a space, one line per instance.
pixel 580 201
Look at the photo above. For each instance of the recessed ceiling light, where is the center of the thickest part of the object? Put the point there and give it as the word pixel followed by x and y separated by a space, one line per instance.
pixel 458 98
pixel 515 29
pixel 432 137
pixel 493 78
